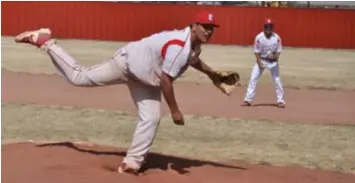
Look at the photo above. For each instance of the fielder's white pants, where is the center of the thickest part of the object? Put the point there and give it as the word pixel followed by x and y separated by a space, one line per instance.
pixel 273 67
pixel 113 71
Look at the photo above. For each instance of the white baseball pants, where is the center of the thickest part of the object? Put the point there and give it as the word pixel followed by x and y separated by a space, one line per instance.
pixel 114 71
pixel 273 67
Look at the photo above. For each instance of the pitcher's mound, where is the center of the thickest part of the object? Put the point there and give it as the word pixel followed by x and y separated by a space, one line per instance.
pixel 66 162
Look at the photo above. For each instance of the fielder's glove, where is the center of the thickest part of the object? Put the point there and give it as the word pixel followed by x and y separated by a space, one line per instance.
pixel 226 81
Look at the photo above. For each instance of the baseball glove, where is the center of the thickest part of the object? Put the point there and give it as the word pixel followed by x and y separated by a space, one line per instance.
pixel 226 81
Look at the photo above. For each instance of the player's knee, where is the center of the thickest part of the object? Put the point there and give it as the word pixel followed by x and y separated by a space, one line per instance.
pixel 153 118
pixel 81 80
pixel 254 81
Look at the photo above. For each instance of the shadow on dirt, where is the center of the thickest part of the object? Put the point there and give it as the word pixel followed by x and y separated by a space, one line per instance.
pixel 154 160
pixel 265 105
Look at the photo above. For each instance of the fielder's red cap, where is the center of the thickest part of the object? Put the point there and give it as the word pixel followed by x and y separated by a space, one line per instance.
pixel 206 18
pixel 268 24
pixel 268 21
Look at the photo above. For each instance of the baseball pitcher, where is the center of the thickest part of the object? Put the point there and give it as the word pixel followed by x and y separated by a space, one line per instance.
pixel 149 67
pixel 267 48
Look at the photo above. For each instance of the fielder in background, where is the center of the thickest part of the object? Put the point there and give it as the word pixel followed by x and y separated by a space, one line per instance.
pixel 267 49
pixel 149 67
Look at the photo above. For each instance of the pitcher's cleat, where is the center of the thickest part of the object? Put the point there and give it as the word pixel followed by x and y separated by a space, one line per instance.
pixel 34 37
pixel 124 168
pixel 246 103
pixel 281 105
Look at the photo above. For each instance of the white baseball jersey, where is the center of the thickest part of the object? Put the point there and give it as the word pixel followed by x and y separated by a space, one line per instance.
pixel 166 51
pixel 266 46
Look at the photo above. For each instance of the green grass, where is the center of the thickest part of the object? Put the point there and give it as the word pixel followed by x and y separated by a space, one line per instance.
pixel 299 68
pixel 327 147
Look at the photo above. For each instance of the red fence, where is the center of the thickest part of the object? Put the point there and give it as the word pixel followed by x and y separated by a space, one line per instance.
pixel 131 21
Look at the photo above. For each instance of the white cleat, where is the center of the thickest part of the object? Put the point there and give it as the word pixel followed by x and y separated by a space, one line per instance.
pixel 124 168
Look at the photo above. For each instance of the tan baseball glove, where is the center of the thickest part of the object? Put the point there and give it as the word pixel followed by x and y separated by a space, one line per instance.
pixel 226 81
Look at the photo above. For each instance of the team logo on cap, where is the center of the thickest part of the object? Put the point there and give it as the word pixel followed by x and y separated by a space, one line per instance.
pixel 210 17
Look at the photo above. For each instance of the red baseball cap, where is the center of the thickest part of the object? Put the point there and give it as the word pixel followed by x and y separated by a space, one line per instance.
pixel 268 24
pixel 268 21
pixel 206 18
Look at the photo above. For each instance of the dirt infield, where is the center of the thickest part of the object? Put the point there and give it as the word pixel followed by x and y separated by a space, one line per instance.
pixel 317 106
pixel 68 162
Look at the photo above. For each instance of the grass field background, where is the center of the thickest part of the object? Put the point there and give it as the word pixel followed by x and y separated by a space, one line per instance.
pixel 329 147
pixel 299 68
pixel 324 147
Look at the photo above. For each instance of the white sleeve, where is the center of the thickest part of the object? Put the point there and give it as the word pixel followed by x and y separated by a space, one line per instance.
pixel 257 48
pixel 279 48
pixel 174 61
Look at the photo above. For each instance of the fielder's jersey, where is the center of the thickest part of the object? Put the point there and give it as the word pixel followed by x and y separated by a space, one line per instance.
pixel 266 46
pixel 166 51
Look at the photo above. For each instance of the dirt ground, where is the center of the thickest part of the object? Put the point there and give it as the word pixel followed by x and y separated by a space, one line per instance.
pixel 316 106
pixel 40 164
pixel 66 162
pixel 69 162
